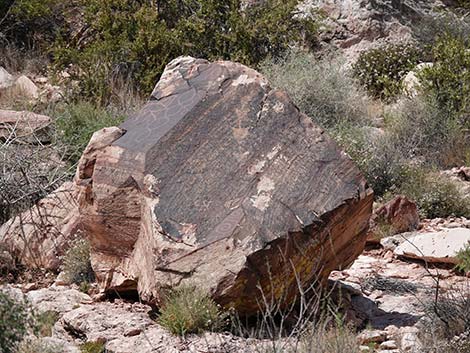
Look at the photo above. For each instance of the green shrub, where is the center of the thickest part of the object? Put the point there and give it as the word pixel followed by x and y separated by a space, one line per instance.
pixel 435 195
pixel 188 309
pixel 424 132
pixel 381 70
pixel 77 122
pixel 136 39
pixel 76 263
pixel 44 323
pixel 14 323
pixel 448 80
pixel 92 347
pixel 322 89
pixel 463 258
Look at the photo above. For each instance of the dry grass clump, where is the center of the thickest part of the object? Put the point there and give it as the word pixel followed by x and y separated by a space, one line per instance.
pixel 189 309
pixel 77 264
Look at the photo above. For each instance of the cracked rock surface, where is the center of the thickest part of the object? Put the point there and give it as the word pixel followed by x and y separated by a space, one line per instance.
pixel 220 181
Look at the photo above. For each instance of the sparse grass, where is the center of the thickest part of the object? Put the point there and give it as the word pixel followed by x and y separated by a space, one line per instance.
pixel 189 309
pixel 335 339
pixel 92 347
pixel 322 89
pixel 446 324
pixel 34 345
pixel 45 322
pixel 77 264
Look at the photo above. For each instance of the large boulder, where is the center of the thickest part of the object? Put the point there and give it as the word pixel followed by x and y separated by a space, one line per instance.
pixel 220 181
pixel 26 126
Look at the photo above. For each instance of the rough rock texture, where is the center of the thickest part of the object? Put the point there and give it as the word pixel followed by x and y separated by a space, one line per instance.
pixel 398 215
pixel 24 125
pixel 221 181
pixel 6 80
pixel 38 236
pixel 27 87
pixel 356 25
pixel 440 247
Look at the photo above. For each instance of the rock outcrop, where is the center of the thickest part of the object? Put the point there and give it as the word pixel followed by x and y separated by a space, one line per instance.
pixel 39 236
pixel 25 126
pixel 440 247
pixel 220 181
pixel 399 215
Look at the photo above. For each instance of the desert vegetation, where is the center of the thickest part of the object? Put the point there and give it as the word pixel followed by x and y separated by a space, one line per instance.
pixel 400 110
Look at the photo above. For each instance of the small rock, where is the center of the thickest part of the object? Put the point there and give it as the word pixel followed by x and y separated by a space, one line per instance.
pixel 27 87
pixel 410 342
pixel 453 225
pixel 30 286
pixel 372 336
pixel 364 349
pixel 6 80
pixel 40 80
pixel 61 279
pixel 388 345
pixel 440 247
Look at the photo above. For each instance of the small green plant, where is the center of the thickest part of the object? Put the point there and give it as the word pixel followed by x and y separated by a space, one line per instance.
pixel 448 79
pixel 76 123
pixel 189 309
pixel 435 195
pixel 92 347
pixel 463 258
pixel 381 70
pixel 14 323
pixel 76 263
pixel 44 322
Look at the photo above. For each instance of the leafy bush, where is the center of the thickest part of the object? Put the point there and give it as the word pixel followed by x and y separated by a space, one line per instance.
pixel 426 133
pixel 381 70
pixel 188 309
pixel 322 89
pixel 77 122
pixel 435 195
pixel 135 39
pixel 76 263
pixel 14 323
pixel 448 80
pixel 463 257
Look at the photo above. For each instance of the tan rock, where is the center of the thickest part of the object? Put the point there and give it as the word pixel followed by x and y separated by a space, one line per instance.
pixel 228 191
pixel 398 216
pixel 439 246
pixel 372 336
pixel 39 236
pixel 24 125
pixel 6 80
pixel 27 87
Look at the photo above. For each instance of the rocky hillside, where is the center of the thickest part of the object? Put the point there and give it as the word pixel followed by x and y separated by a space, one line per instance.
pixel 234 176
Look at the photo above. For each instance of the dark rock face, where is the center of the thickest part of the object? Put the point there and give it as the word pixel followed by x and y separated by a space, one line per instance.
pixel 220 181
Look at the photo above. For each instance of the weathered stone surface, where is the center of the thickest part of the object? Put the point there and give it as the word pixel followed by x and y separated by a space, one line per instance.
pixel 6 80
pixel 435 247
pixel 220 181
pixel 58 299
pixel 38 236
pixel 22 124
pixel 27 87
pixel 398 215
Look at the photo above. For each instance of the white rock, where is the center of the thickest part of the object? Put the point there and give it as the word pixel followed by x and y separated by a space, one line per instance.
pixel 388 345
pixel 58 299
pixel 435 247
pixel 410 342
pixel 6 80
pixel 27 87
